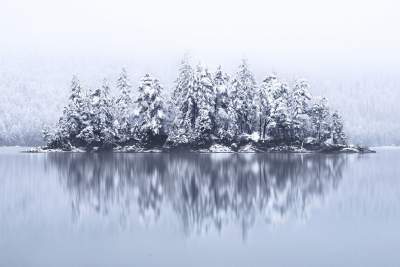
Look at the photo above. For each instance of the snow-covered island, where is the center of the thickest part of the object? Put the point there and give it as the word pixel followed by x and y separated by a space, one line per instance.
pixel 206 112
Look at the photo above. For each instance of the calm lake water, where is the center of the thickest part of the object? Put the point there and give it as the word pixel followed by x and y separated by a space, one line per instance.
pixel 71 209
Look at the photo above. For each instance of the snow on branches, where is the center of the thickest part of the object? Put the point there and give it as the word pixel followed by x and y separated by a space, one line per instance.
pixel 204 109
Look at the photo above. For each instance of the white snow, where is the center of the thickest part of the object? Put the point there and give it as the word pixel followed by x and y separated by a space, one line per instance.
pixel 220 148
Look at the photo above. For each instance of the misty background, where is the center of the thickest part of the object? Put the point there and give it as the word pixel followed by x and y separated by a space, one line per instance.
pixel 348 50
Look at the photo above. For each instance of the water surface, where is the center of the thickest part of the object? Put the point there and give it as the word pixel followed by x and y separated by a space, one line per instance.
pixel 74 209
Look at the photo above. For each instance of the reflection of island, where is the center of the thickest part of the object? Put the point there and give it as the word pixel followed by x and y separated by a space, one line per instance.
pixel 204 190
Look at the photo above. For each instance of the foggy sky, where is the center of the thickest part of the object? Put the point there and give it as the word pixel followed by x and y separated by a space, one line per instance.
pixel 297 35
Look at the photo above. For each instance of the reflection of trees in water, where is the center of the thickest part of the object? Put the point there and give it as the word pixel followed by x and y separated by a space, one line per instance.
pixel 205 190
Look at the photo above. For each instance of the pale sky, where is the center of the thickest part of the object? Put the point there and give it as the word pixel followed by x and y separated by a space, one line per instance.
pixel 313 33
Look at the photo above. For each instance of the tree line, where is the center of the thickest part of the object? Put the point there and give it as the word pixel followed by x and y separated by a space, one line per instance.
pixel 203 109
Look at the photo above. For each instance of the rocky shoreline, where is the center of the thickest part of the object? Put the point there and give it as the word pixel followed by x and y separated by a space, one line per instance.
pixel 219 148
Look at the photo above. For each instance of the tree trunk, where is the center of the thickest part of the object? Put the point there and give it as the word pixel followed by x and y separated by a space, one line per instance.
pixel 265 128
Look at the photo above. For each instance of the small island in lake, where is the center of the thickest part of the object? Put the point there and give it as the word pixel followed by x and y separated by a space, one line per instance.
pixel 206 112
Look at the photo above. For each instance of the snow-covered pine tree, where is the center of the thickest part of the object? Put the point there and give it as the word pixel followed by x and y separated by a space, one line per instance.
pixel 275 109
pixel 319 114
pixel 280 114
pixel 300 104
pixel 124 108
pixel 204 100
pixel 338 135
pixel 71 122
pixel 224 109
pixel 72 113
pixel 151 112
pixel 233 131
pixel 266 99
pixel 221 81
pixel 100 128
pixel 243 96
pixel 194 98
pixel 184 107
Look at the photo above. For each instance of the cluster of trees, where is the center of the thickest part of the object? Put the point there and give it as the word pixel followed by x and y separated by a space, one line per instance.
pixel 205 108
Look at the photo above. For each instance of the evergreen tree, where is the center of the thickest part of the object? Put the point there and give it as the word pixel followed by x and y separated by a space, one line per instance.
pixel 338 135
pixel 124 108
pixel 184 109
pixel 224 112
pixel 266 99
pixel 275 108
pixel 221 82
pixel 300 104
pixel 151 111
pixel 71 122
pixel 319 115
pixel 300 97
pixel 204 100
pixel 100 127
pixel 243 96
pixel 194 98
pixel 280 113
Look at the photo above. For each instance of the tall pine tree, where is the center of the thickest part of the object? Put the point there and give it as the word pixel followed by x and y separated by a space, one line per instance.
pixel 124 108
pixel 72 121
pixel 280 113
pixel 184 109
pixel 265 102
pixel 100 128
pixel 204 100
pixel 224 111
pixel 338 135
pixel 319 114
pixel 243 96
pixel 300 105
pixel 275 108
pixel 151 112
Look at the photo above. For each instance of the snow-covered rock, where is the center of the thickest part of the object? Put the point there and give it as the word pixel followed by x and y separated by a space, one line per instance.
pixel 220 149
pixel 249 148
